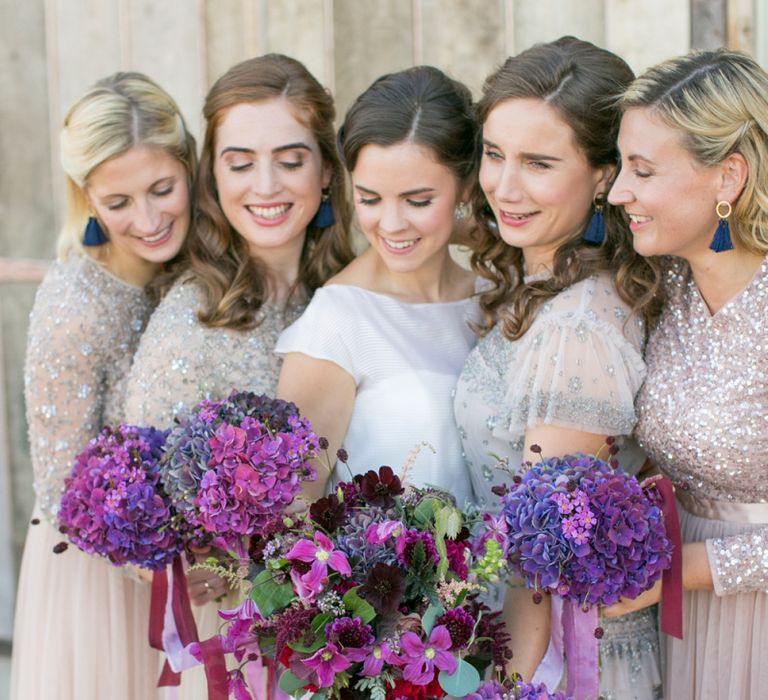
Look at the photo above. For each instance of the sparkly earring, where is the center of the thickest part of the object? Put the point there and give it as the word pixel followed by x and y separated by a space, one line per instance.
pixel 722 240
pixel 595 232
pixel 461 211
pixel 94 235
pixel 325 216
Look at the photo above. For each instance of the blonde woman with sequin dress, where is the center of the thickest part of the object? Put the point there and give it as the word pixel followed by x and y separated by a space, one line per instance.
pixel 694 148
pixel 81 623
pixel 261 244
pixel 560 357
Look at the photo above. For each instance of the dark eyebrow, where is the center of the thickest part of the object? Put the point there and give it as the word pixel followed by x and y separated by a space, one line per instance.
pixel 526 156
pixel 279 149
pixel 409 193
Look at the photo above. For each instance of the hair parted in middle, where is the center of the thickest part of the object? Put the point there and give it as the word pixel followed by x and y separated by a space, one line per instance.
pixel 583 84
pixel 234 282
pixel 421 105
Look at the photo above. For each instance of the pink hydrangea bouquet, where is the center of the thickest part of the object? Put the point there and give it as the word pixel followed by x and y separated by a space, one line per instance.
pixel 372 593
pixel 230 463
pixel 113 503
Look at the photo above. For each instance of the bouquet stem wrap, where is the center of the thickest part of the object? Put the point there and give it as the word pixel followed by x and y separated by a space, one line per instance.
pixel 581 650
pixel 172 629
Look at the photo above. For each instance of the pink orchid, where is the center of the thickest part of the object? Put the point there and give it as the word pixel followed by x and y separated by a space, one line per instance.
pixel 421 658
pixel 327 662
pixel 380 654
pixel 322 555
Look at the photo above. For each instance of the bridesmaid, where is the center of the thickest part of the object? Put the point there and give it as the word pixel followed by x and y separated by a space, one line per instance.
pixel 694 148
pixel 560 358
pixel 81 623
pixel 264 239
pixel 374 358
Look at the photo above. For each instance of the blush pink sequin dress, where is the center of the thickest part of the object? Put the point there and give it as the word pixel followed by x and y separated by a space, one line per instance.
pixel 703 418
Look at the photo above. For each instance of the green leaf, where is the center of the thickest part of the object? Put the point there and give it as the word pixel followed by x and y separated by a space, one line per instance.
pixel 429 617
pixel 318 624
pixel 442 550
pixel 289 683
pixel 464 681
pixel 448 522
pixel 358 607
pixel 270 596
pixel 424 513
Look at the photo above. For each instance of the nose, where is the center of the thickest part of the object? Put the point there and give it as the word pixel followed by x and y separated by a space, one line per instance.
pixel 265 183
pixel 392 219
pixel 148 218
pixel 620 194
pixel 508 187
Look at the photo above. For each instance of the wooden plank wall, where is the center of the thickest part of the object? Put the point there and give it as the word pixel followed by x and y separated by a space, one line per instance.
pixel 51 50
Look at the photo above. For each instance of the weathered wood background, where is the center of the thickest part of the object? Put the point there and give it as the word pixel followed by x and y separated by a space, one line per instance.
pixel 51 50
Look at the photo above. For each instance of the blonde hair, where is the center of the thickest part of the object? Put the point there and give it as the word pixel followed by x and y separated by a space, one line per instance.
pixel 118 112
pixel 718 100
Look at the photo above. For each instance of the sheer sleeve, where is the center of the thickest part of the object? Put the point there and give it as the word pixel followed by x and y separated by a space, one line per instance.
pixel 324 331
pixel 576 371
pixel 739 563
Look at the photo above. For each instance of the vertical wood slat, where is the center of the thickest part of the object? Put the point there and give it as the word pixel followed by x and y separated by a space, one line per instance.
pixel 708 24
pixel 740 32
pixel 7 568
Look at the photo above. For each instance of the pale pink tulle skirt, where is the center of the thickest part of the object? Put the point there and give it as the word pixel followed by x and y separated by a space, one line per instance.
pixel 724 653
pixel 81 627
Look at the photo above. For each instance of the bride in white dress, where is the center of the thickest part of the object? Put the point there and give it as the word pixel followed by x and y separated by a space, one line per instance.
pixel 374 359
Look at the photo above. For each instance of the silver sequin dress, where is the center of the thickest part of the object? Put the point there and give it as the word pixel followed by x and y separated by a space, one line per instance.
pixel 579 366
pixel 703 419
pixel 178 363
pixel 81 623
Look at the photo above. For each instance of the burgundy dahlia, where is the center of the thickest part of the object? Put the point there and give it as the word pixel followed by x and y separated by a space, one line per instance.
pixel 329 512
pixel 384 588
pixel 380 489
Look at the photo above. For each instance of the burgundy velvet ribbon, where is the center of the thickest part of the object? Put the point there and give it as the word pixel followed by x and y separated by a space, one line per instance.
pixel 581 650
pixel 672 580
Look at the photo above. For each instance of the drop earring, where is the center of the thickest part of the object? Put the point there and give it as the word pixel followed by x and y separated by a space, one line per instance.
pixel 595 232
pixel 722 240
pixel 94 235
pixel 324 216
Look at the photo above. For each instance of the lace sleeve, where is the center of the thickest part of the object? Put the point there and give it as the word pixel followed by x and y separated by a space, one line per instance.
pixel 577 373
pixel 64 388
pixel 739 563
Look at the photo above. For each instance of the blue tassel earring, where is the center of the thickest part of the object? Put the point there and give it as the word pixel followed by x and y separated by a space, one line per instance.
pixel 722 240
pixel 94 235
pixel 595 232
pixel 325 216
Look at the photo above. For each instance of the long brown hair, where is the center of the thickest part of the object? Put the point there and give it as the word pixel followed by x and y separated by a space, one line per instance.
pixel 234 282
pixel 582 83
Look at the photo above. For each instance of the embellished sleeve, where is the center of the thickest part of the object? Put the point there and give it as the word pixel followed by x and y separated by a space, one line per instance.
pixel 575 371
pixel 64 384
pixel 324 331
pixel 739 563
pixel 167 375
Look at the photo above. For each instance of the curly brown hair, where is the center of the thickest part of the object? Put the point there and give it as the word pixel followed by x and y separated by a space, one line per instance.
pixel 583 83
pixel 233 280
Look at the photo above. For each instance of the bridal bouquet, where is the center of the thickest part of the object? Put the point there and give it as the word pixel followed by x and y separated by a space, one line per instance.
pixel 372 593
pixel 493 690
pixel 114 504
pixel 231 463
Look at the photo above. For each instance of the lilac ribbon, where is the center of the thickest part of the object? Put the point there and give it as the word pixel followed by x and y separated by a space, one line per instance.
pixel 581 651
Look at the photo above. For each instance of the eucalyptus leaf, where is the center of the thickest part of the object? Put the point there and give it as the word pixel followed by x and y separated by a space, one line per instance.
pixel 464 681
pixel 290 683
pixel 269 595
pixel 429 617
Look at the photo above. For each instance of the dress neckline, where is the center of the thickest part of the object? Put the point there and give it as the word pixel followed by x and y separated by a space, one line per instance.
pixel 381 295
pixel 735 301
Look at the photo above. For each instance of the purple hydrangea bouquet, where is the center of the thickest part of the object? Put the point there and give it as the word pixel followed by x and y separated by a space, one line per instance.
pixel 494 690
pixel 231 463
pixel 372 593
pixel 578 527
pixel 113 503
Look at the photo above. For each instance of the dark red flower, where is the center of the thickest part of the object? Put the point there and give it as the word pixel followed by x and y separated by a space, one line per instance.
pixel 380 489
pixel 383 588
pixel 329 512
